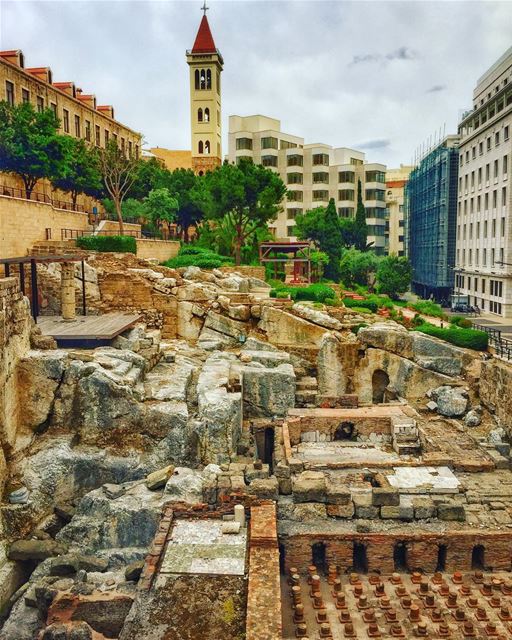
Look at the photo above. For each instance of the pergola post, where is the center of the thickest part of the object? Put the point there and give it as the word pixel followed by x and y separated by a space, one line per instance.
pixel 67 291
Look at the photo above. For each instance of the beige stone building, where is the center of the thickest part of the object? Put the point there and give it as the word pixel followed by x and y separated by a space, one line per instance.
pixel 313 173
pixel 484 217
pixel 79 114
pixel 396 179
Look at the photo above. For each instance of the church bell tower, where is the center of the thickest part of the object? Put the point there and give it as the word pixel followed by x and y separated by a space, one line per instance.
pixel 205 63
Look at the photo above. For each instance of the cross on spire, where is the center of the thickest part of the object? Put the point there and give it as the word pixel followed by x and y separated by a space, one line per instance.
pixel 204 8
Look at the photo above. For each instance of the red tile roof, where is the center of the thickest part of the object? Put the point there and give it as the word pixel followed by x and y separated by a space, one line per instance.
pixel 204 40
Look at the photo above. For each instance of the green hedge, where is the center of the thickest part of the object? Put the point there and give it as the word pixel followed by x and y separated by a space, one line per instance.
pixel 428 308
pixel 117 244
pixel 467 338
pixel 358 304
pixel 193 256
pixel 314 292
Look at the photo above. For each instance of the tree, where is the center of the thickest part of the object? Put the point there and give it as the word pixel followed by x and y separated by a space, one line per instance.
pixel 151 174
pixel 250 195
pixel 323 227
pixel 360 228
pixel 30 146
pixel 118 173
pixel 394 275
pixel 80 173
pixel 357 267
pixel 188 189
pixel 161 207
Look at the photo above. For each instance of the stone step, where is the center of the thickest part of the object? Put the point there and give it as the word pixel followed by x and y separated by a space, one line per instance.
pixel 307 382
pixel 305 396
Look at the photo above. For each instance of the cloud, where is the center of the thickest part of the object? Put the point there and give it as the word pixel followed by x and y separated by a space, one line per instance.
pixel 378 143
pixel 436 88
pixel 402 53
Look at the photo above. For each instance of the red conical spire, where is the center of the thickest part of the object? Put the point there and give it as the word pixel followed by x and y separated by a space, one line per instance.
pixel 204 40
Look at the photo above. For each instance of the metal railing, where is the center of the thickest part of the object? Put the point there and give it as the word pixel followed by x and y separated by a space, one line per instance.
pixel 502 346
pixel 40 196
pixel 73 234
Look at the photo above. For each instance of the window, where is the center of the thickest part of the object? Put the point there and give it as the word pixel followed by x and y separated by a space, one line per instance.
pixel 123 147
pixel 53 107
pixel 269 161
pixel 77 126
pixel 40 104
pixel 346 212
pixel 137 151
pixel 346 194
pixel 375 176
pixel 25 95
pixel 320 196
pixel 487 173
pixel 375 194
pixel 65 120
pixel 88 130
pixel 9 92
pixel 480 178
pixel 288 145
pixel 243 143
pixel 207 115
pixel 295 178
pixel 320 177
pixel 494 199
pixel 291 214
pixel 488 144
pixel 200 147
pixel 473 153
pixel 481 148
pixel 505 133
pixel 346 176
pixel 295 160
pixel 106 136
pixel 504 196
pixel 269 143
pixel 496 169
pixel 295 196
pixel 321 158
pixel 97 134
pixel 208 79
pixel 130 150
pixel 505 166
pixel 199 115
pixel 290 231
pixel 496 138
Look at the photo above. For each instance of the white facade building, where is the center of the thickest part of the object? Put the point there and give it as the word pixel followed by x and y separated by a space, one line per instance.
pixel 484 218
pixel 313 173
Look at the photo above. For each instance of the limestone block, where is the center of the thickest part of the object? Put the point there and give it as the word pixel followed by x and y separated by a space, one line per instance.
pixel 307 512
pixel 341 510
pixel 267 391
pixel 385 496
pixel 309 486
pixel 158 479
pixel 267 489
pixel 239 312
pixel 451 401
pixel 185 485
pixel 424 508
pixel 451 511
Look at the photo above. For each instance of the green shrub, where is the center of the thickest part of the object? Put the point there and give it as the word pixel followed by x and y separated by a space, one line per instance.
pixel 361 309
pixel 461 321
pixel 428 308
pixel 467 338
pixel 354 304
pixel 282 295
pixel 417 320
pixel 272 293
pixel 194 256
pixel 193 250
pixel 332 302
pixel 316 292
pixel 118 244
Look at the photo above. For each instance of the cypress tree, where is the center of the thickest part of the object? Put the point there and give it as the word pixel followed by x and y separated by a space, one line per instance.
pixel 360 226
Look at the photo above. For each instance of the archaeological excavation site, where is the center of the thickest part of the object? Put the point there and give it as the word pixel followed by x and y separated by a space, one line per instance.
pixel 184 457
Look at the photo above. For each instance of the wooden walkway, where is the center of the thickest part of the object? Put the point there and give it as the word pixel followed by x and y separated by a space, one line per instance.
pixel 87 331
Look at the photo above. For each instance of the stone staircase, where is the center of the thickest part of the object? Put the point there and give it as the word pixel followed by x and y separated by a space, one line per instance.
pixel 306 392
pixel 55 247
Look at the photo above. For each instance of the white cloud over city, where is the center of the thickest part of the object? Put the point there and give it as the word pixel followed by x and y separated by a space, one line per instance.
pixel 380 76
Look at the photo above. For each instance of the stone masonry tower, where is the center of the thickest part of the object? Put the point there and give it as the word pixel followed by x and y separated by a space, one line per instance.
pixel 205 62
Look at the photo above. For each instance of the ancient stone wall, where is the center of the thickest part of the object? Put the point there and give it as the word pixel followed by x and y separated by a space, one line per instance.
pixel 15 325
pixel 246 270
pixel 495 390
pixel 264 596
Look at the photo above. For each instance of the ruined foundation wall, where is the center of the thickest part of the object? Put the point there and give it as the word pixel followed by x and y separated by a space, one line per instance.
pixel 264 620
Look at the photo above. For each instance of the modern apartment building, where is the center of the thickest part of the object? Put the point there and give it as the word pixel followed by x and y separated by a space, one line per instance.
pixel 396 179
pixel 313 173
pixel 430 223
pixel 79 114
pixel 484 219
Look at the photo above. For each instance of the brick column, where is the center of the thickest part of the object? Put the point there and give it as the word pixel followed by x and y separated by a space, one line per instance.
pixel 67 291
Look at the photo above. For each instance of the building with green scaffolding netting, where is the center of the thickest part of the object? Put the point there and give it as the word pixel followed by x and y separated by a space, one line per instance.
pixel 431 219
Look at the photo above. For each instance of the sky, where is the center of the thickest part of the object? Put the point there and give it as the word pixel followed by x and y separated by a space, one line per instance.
pixel 379 76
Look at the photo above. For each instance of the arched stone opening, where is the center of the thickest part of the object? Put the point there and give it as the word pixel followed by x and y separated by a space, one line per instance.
pixel 400 556
pixel 318 556
pixel 441 557
pixel 478 557
pixel 380 381
pixel 359 558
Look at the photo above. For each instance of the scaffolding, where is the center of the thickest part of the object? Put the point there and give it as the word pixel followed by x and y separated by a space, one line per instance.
pixel 431 220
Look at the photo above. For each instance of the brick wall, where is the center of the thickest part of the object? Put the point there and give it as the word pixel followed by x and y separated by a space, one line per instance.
pixel 264 595
pixel 422 550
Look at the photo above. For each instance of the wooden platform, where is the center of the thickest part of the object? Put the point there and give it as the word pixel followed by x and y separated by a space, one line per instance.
pixel 86 331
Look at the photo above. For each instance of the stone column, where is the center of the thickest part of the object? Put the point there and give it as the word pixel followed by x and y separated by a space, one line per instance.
pixel 67 291
pixel 332 381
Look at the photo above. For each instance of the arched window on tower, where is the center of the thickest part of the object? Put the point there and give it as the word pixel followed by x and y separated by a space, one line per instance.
pixel 207 115
pixel 208 79
pixel 200 115
pixel 200 146
pixel 196 75
pixel 207 147
pixel 202 84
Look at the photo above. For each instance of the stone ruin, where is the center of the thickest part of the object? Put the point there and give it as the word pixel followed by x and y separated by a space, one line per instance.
pixel 240 466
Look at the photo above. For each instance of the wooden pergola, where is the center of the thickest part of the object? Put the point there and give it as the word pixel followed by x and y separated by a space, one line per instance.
pixel 297 253
pixel 33 261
